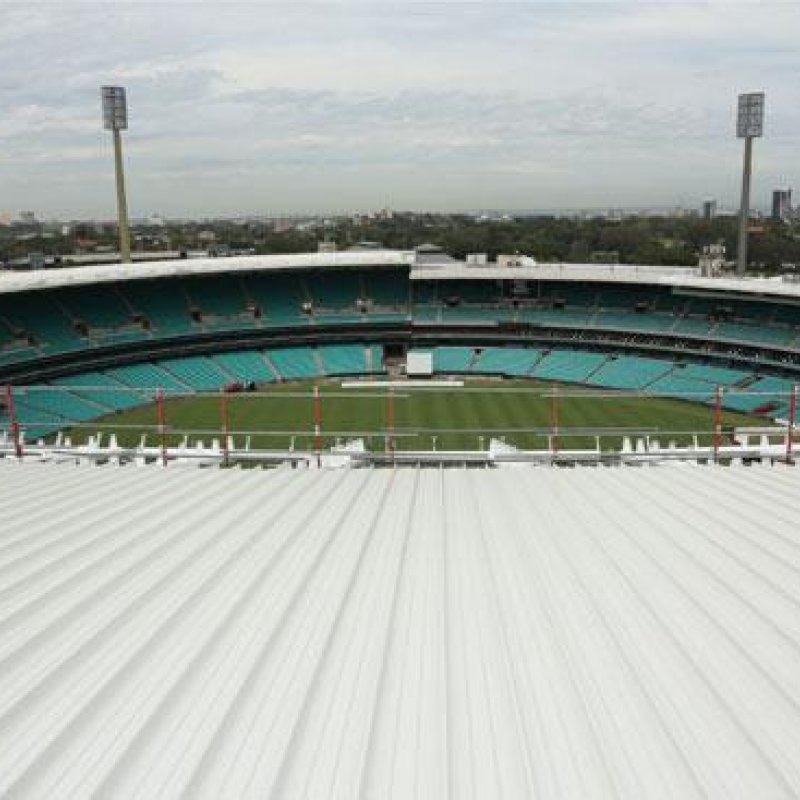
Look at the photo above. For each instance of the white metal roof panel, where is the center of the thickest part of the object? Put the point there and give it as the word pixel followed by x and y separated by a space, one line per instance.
pixel 111 273
pixel 396 633
pixel 686 278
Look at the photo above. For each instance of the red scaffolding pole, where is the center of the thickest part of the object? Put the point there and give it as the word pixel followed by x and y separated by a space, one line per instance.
pixel 223 414
pixel 318 424
pixel 554 420
pixel 717 422
pixel 390 423
pixel 13 424
pixel 792 422
pixel 162 427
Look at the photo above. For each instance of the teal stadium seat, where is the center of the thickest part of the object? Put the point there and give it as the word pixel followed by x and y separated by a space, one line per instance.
pixel 197 372
pixel 514 361
pixel 763 392
pixel 567 365
pixel 163 304
pixel 294 363
pixel 245 366
pixel 681 388
pixel 452 359
pixel 104 390
pixel 149 376
pixel 630 372
pixel 346 359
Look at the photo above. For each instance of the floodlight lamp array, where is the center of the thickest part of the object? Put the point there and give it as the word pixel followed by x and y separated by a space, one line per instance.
pixel 750 116
pixel 115 108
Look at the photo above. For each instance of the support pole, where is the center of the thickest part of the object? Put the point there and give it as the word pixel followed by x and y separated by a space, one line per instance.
pixel 717 423
pixel 792 422
pixel 223 414
pixel 390 423
pixel 13 424
pixel 122 203
pixel 744 209
pixel 161 425
pixel 318 424
pixel 554 420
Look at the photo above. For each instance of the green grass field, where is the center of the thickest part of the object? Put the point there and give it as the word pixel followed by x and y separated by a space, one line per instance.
pixel 452 418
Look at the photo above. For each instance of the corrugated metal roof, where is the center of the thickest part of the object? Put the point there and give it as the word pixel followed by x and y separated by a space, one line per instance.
pixel 400 633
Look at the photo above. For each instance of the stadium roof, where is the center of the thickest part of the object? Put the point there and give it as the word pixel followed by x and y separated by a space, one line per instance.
pixel 395 633
pixel 424 266
pixel 681 278
pixel 110 273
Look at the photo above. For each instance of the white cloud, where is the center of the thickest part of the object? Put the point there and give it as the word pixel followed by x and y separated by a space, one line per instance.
pixel 550 104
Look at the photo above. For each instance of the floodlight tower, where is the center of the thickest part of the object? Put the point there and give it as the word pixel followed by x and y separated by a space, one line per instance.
pixel 115 119
pixel 749 125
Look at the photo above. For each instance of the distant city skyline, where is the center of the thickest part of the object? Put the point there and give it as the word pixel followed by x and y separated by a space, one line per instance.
pixel 332 107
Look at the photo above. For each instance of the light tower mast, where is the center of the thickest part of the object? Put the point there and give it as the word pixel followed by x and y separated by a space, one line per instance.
pixel 115 119
pixel 749 125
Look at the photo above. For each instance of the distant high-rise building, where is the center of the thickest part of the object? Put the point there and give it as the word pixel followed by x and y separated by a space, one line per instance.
pixel 781 204
pixel 709 209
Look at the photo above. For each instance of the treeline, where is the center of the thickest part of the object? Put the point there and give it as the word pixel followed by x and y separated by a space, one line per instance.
pixel 645 240
pixel 666 241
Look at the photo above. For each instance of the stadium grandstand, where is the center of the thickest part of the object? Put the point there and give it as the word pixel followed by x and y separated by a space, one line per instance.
pixel 88 342
pixel 524 586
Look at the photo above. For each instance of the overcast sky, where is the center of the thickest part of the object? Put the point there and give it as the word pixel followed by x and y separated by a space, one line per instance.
pixel 296 107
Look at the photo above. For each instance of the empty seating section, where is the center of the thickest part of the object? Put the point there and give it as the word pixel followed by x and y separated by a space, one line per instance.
pixel 280 298
pixel 691 326
pixel 103 390
pixel 711 374
pixel 764 394
pixel 245 366
pixel 163 304
pixel 55 401
pixel 198 372
pixel 387 290
pixel 636 321
pixel 37 315
pixel 506 360
pixel 748 332
pixel 216 296
pixel 452 359
pixel 682 388
pixel 149 376
pixel 630 372
pixel 34 421
pixel 294 363
pixel 100 307
pixel 335 290
pixel 568 318
pixel 347 359
pixel 36 324
pixel 469 314
pixel 786 314
pixel 13 349
pixel 567 365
